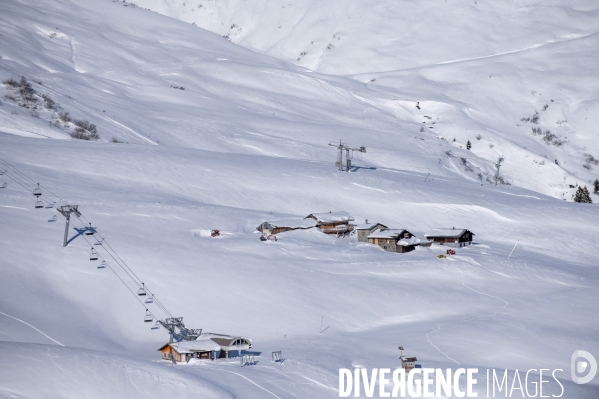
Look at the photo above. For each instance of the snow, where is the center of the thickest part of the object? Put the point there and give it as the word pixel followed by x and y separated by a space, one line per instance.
pixel 245 142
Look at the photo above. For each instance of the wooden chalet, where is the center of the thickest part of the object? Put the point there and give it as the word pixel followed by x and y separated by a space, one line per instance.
pixel 452 237
pixel 207 346
pixel 394 240
pixel 277 227
pixel 366 229
pixel 333 222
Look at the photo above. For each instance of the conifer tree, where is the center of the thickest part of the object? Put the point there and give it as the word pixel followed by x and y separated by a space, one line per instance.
pixel 596 187
pixel 583 196
pixel 468 145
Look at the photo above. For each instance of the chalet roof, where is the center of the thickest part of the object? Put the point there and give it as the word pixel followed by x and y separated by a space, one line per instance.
pixel 369 226
pixel 446 232
pixel 203 345
pixel 404 242
pixel 330 217
pixel 388 233
pixel 291 223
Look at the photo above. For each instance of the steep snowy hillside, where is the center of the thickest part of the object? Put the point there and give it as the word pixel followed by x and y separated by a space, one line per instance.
pixel 479 67
pixel 221 137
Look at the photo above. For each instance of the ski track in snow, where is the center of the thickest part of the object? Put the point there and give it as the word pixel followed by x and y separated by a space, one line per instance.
pixel 259 386
pixel 35 328
pixel 438 328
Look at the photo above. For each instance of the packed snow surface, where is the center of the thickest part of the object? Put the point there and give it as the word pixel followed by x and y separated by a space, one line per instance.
pixel 245 142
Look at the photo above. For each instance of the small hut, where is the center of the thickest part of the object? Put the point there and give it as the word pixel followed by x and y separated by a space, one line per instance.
pixel 366 229
pixel 450 236
pixel 394 240
pixel 332 222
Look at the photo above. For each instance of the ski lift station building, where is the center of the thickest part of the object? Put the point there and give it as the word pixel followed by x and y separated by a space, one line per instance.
pixel 207 346
pixel 450 236
pixel 332 222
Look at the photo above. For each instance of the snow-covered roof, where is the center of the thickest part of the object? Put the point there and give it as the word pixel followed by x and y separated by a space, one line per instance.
pixel 206 342
pixel 446 232
pixel 331 217
pixel 387 233
pixel 404 242
pixel 369 226
pixel 199 345
pixel 292 223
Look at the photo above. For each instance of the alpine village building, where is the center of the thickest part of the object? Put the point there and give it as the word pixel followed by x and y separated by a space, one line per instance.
pixel 366 229
pixel 452 237
pixel 394 240
pixel 333 222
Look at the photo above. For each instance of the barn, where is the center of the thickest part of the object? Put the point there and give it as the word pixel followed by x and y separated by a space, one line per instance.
pixel 450 236
pixel 333 222
pixel 364 230
pixel 394 240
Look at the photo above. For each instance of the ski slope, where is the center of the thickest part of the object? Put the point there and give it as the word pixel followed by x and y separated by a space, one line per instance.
pixel 245 142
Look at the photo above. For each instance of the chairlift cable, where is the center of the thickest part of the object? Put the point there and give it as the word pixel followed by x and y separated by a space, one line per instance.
pixel 122 281
pixel 104 241
pixel 20 181
pixel 24 176
pixel 127 271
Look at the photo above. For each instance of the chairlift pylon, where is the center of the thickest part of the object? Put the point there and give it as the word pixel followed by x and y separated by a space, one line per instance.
pixel 148 318
pixel 93 255
pixel 103 265
pixel 39 204
pixel 37 191
pixel 150 299
pixel 142 290
pixel 90 230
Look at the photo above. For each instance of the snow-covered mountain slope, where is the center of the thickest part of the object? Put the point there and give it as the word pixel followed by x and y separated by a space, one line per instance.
pixel 245 142
pixel 153 204
pixel 479 67
pixel 51 371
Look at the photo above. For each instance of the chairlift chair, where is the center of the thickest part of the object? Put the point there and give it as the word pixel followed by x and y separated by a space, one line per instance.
pixel 39 204
pixel 4 185
pixel 37 191
pixel 99 242
pixel 93 255
pixel 53 219
pixel 150 299
pixel 156 326
pixel 103 265
pixel 52 205
pixel 148 318
pixel 2 172
pixel 89 231
pixel 142 290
